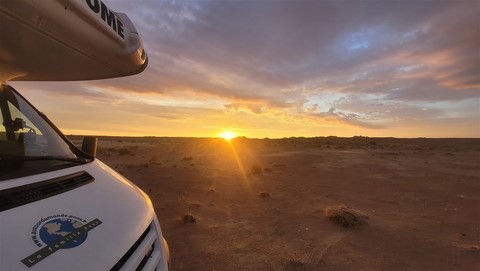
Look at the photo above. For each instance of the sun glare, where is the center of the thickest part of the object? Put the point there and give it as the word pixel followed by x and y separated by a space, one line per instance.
pixel 228 135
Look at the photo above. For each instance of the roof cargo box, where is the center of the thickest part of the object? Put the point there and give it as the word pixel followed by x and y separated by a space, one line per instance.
pixel 64 40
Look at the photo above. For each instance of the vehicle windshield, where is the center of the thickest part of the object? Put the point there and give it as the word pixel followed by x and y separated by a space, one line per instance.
pixel 28 144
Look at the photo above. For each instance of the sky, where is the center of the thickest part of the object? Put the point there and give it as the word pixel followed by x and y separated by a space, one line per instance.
pixel 285 68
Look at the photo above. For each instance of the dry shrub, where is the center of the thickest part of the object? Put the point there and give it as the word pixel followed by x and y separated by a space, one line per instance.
pixel 188 218
pixel 124 151
pixel 295 265
pixel 256 170
pixel 345 217
pixel 264 195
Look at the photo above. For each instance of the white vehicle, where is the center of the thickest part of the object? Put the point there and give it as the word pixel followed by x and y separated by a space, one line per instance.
pixel 60 207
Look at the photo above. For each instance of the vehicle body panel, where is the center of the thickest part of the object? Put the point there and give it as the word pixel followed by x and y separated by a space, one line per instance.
pixel 124 210
pixel 113 223
pixel 72 41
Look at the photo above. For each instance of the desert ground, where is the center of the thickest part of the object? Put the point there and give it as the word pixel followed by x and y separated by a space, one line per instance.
pixel 265 204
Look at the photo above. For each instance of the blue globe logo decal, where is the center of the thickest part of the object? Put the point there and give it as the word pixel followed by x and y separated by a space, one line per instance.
pixel 54 230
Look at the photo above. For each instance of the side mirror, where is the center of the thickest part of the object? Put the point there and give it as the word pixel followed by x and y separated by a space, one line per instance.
pixel 18 124
pixel 89 145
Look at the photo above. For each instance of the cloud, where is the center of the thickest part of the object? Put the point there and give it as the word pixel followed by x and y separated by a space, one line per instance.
pixel 388 60
pixel 237 107
pixel 278 45
pixel 346 118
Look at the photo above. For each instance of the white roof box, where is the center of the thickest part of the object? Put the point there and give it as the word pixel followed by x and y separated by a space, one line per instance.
pixel 66 40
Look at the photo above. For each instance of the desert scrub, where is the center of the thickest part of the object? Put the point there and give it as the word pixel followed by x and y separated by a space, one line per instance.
pixel 256 170
pixel 295 265
pixel 104 151
pixel 264 195
pixel 188 218
pixel 127 151
pixel 345 217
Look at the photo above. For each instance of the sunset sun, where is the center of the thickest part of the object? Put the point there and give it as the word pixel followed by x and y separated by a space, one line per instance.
pixel 228 135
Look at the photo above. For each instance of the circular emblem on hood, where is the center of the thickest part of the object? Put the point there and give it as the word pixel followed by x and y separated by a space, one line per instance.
pixel 56 229
pixel 56 232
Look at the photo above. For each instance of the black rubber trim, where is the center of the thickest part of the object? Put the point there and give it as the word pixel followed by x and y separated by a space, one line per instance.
pixel 129 253
pixel 22 195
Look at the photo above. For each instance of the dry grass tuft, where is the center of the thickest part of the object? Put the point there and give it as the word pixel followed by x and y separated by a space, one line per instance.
pixel 188 218
pixel 124 151
pixel 295 265
pixel 264 195
pixel 256 170
pixel 130 150
pixel 345 217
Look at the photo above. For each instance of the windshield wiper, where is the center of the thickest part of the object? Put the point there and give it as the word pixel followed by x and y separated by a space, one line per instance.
pixel 8 159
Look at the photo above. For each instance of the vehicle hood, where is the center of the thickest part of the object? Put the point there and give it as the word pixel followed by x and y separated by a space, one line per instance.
pixel 116 211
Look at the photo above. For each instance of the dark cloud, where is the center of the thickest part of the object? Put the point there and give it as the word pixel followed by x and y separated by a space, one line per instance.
pixel 282 44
